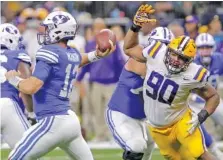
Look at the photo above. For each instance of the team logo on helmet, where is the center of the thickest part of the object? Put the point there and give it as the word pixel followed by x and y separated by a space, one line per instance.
pixel 11 30
pixel 60 19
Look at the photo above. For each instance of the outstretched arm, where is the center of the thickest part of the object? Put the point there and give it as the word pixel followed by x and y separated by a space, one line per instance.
pixel 96 55
pixel 131 44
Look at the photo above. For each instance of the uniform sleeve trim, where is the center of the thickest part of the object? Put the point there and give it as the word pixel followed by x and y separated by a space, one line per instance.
pixel 202 72
pixel 47 56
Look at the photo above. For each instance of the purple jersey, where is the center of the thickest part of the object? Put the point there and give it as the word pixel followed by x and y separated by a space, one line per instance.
pixel 9 61
pixel 57 68
pixel 127 97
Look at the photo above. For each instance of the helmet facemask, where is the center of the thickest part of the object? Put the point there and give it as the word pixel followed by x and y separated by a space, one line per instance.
pixel 44 38
pixel 176 62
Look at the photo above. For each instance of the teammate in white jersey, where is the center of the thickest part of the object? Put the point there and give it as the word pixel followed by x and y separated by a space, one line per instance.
pixel 170 78
pixel 13 121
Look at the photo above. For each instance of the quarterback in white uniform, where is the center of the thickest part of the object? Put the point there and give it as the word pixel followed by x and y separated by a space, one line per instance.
pixel 170 78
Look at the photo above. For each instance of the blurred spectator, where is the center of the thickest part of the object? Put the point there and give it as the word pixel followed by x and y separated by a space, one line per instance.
pixel 191 26
pixel 215 29
pixel 177 29
pixel 103 76
pixel 30 34
pixel 120 38
pixel 88 34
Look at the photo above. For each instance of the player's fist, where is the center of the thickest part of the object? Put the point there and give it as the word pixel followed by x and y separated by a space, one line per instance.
pixel 11 74
pixel 105 53
pixel 142 15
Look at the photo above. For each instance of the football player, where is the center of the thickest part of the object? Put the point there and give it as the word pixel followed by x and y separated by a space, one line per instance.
pixel 213 62
pixel 125 114
pixel 50 85
pixel 13 120
pixel 171 76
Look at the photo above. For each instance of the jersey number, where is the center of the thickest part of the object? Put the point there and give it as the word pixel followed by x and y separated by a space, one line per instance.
pixel 67 88
pixel 163 89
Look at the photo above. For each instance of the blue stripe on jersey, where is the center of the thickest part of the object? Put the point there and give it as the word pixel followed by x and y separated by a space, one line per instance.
pixel 31 139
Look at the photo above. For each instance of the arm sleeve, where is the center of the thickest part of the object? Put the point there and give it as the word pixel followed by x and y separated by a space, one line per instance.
pixel 24 57
pixel 47 56
pixel 42 70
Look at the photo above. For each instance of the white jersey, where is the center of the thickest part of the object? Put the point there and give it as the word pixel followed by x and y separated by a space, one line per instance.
pixel 165 95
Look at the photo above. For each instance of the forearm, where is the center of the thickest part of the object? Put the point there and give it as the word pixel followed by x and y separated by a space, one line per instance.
pixel 30 85
pixel 130 40
pixel 89 58
pixel 212 103
pixel 27 100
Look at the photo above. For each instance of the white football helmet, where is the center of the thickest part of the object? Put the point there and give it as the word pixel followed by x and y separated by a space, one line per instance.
pixel 10 36
pixel 205 40
pixel 58 25
pixel 162 34
pixel 205 47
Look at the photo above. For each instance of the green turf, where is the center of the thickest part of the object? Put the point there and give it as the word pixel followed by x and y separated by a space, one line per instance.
pixel 99 154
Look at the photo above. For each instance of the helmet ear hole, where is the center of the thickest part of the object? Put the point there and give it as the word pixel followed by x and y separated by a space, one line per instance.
pixel 10 41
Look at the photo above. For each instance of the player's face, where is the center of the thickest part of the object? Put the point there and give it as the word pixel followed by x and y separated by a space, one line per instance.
pixel 177 61
pixel 205 51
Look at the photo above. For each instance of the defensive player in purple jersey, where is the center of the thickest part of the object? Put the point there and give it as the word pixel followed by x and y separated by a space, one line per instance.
pixel 125 114
pixel 13 121
pixel 50 84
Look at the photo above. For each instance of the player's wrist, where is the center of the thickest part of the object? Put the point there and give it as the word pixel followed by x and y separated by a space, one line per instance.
pixel 203 115
pixel 15 81
pixel 92 56
pixel 135 28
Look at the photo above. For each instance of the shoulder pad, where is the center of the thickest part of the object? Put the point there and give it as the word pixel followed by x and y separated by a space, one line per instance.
pixel 152 49
pixel 47 55
pixel 20 54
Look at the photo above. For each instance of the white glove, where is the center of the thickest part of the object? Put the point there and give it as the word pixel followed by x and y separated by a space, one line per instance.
pixel 194 122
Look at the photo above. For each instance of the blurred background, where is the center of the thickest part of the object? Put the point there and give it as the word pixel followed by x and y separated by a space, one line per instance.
pixel 91 94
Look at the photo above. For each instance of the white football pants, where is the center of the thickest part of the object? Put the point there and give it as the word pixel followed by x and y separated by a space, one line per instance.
pixel 62 131
pixel 13 121
pixel 131 134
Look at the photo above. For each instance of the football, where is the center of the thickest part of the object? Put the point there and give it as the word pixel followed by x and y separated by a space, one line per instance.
pixel 102 39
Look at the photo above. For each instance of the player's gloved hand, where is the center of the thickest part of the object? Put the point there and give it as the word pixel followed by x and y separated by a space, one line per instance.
pixel 197 120
pixel 31 118
pixel 142 16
